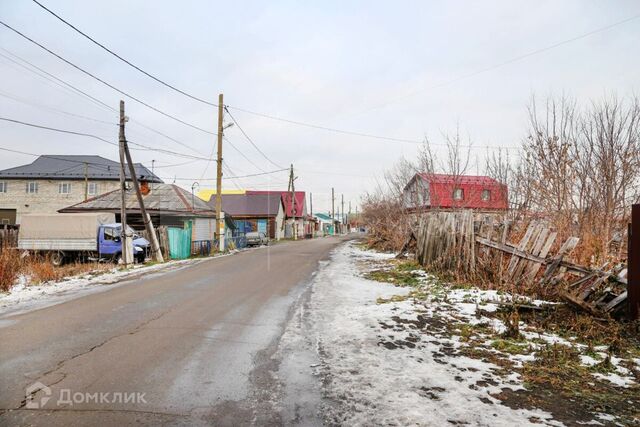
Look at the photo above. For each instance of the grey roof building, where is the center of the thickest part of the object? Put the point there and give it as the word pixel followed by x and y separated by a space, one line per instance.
pixel 52 182
pixel 75 167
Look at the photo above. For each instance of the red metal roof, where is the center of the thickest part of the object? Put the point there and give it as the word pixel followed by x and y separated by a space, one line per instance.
pixel 286 200
pixel 442 178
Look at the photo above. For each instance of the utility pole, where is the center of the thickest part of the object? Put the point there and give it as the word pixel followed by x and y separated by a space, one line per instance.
pixel 219 214
pixel 292 188
pixel 86 181
pixel 349 214
pixel 311 202
pixel 333 211
pixel 148 225
pixel 342 217
pixel 124 238
pixel 153 166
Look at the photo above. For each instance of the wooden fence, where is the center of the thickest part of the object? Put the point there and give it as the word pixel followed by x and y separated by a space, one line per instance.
pixel 458 241
pixel 8 237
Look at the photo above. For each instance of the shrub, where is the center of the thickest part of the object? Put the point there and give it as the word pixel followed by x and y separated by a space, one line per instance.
pixel 10 266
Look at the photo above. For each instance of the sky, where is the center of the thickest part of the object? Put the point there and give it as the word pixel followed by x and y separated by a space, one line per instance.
pixel 402 70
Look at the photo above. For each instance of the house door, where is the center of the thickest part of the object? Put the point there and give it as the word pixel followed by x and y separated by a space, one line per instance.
pixel 262 226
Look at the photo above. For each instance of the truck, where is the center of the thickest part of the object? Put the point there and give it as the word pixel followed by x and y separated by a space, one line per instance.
pixel 77 236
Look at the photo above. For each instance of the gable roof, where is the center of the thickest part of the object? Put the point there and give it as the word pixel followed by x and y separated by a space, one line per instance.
pixel 254 205
pixel 441 178
pixel 300 198
pixel 164 199
pixel 73 167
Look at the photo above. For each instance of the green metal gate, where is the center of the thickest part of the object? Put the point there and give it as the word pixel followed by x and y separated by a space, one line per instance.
pixel 179 242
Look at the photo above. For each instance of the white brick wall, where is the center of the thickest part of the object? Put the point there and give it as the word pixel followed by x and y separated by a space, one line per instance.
pixel 48 199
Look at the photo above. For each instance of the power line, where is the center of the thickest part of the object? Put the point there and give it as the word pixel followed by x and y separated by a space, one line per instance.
pixel 230 176
pixel 97 43
pixel 106 83
pixel 249 139
pixel 77 91
pixel 145 147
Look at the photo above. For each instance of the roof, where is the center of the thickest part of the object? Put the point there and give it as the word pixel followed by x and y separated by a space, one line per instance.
pixel 323 217
pixel 73 167
pixel 252 205
pixel 300 198
pixel 441 178
pixel 166 199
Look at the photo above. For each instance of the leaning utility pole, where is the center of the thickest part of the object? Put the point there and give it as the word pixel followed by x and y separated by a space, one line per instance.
pixel 148 225
pixel 219 214
pixel 124 238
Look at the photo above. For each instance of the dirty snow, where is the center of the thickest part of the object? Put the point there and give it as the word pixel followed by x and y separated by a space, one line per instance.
pixel 374 371
pixel 25 296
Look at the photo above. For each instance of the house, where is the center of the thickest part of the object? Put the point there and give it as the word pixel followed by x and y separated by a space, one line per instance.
pixel 167 205
pixel 254 212
pixel 326 225
pixel 441 191
pixel 53 182
pixel 295 210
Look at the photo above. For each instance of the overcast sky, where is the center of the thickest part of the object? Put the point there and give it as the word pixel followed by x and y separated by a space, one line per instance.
pixel 394 69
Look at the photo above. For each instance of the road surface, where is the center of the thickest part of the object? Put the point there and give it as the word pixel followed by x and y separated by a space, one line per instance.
pixel 186 347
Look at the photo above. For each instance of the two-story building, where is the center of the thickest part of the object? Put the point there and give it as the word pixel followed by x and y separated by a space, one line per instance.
pixel 442 191
pixel 53 182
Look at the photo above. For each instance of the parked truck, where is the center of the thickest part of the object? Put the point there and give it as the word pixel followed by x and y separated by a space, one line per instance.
pixel 77 236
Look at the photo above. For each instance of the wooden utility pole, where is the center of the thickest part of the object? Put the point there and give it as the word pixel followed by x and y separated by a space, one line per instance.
pixel 292 188
pixel 342 217
pixel 219 214
pixel 311 203
pixel 123 197
pixel 86 181
pixel 333 211
pixel 148 225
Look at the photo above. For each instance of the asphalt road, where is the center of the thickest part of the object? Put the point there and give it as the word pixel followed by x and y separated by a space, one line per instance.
pixel 187 347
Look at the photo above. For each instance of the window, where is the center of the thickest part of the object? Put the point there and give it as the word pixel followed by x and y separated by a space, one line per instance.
pixel 93 188
pixel 111 234
pixel 64 188
pixel 5 221
pixel 458 194
pixel 3 186
pixel 486 195
pixel 32 187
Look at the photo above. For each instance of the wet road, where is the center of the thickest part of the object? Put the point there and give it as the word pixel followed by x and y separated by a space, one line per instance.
pixel 187 347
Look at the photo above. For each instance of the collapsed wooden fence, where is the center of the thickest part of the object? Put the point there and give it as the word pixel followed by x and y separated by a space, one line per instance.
pixel 462 242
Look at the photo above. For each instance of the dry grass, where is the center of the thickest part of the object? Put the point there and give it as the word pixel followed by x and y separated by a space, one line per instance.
pixel 40 270
pixel 10 268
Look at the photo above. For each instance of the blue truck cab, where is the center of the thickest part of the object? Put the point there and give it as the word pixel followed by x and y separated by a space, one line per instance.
pixel 110 243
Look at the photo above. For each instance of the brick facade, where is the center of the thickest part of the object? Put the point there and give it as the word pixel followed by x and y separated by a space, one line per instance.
pixel 48 199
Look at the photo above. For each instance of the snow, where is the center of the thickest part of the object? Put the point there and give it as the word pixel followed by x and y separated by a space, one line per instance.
pixel 25 296
pixel 375 371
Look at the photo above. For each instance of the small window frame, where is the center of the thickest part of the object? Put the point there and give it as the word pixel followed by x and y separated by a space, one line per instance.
pixel 62 186
pixel 32 187
pixel 4 185
pixel 485 196
pixel 92 188
pixel 458 194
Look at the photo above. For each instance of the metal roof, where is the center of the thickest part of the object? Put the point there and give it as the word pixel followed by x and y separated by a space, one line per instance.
pixel 252 205
pixel 162 199
pixel 73 167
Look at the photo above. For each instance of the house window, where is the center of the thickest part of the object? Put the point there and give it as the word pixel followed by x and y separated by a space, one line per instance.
pixel 3 186
pixel 32 187
pixel 486 195
pixel 5 221
pixel 93 188
pixel 64 188
pixel 458 194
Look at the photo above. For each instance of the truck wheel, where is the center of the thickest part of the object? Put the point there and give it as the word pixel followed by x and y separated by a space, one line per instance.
pixel 57 258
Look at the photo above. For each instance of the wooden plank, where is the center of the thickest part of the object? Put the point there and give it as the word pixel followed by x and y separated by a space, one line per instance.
pixel 535 267
pixel 513 263
pixel 615 302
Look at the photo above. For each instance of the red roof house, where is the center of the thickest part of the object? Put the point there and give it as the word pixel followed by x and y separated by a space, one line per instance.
pixel 300 197
pixel 432 191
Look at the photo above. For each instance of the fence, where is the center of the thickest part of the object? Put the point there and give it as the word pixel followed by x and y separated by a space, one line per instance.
pixel 456 241
pixel 8 237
